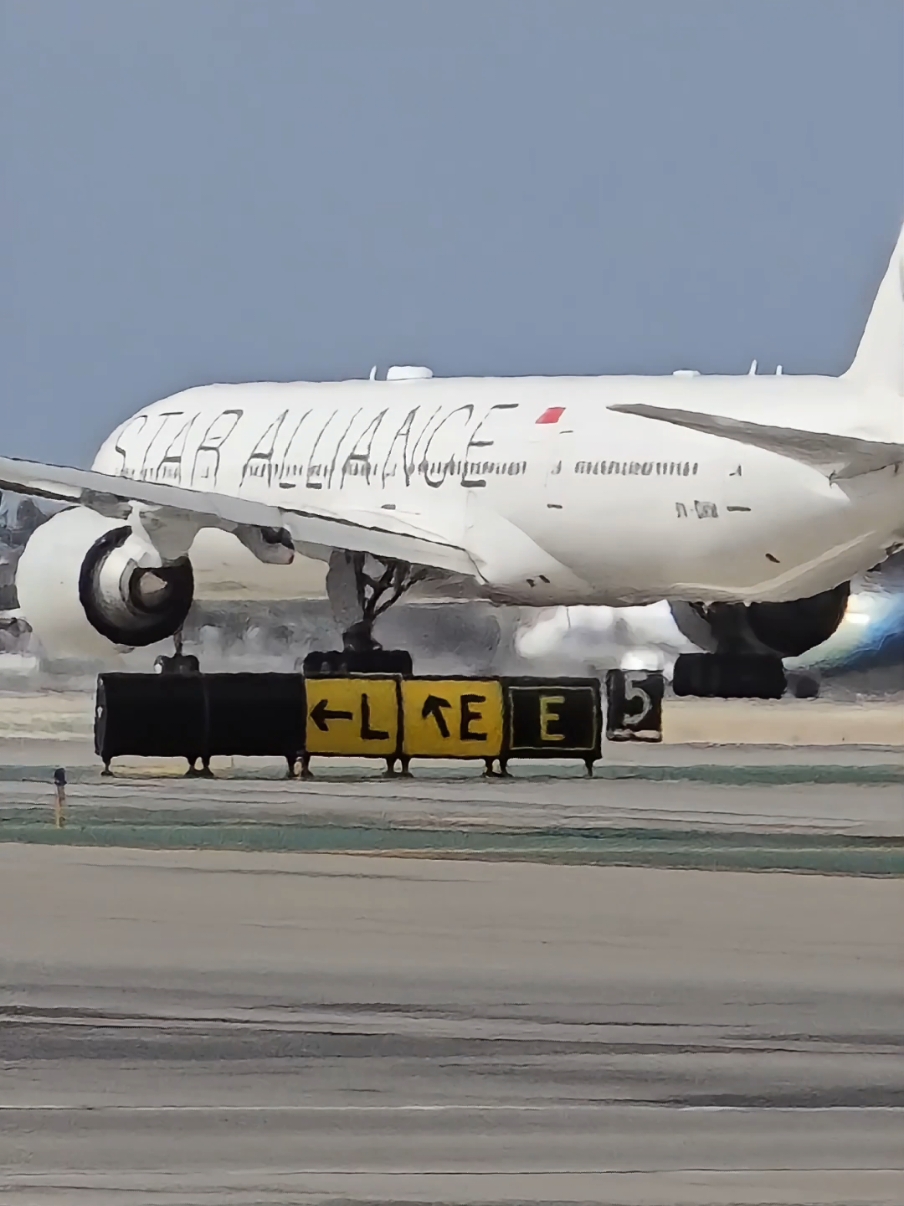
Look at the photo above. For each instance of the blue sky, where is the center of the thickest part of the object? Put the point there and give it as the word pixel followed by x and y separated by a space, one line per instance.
pixel 199 190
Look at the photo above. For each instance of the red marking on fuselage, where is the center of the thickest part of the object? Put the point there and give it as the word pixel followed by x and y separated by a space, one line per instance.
pixel 552 414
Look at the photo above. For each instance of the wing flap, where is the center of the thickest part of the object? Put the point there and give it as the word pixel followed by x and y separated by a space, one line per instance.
pixel 836 456
pixel 386 534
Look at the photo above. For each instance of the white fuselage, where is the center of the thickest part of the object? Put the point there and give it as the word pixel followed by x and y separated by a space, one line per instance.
pixel 620 509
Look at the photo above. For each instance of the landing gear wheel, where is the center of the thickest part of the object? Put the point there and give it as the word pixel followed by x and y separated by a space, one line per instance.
pixel 339 662
pixel 729 676
pixel 803 686
pixel 179 663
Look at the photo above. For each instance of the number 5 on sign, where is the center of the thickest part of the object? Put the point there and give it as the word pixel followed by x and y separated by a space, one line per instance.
pixel 634 711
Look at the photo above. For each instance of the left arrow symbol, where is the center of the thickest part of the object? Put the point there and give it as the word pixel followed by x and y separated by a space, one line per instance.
pixel 321 715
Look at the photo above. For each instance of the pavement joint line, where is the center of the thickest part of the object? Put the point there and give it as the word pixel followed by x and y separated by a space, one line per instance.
pixel 462 836
pixel 790 773
pixel 447 1107
pixel 877 864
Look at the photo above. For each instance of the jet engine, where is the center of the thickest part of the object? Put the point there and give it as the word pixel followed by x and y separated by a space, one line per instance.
pixel 780 629
pixel 87 583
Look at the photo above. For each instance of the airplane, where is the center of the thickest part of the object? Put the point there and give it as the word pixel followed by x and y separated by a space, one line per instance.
pixel 747 502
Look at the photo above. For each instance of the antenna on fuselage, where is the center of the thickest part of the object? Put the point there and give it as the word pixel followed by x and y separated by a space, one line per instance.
pixel 751 372
pixel 373 374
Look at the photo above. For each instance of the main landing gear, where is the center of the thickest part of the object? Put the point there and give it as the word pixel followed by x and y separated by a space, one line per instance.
pixel 745 645
pixel 739 676
pixel 729 676
pixel 360 588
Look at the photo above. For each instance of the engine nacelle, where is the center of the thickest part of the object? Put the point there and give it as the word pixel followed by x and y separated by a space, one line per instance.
pixel 86 584
pixel 782 629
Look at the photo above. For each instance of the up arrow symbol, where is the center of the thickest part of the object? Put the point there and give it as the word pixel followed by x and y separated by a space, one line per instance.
pixel 433 706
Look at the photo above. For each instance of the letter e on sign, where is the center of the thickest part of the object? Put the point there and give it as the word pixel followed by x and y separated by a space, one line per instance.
pixel 552 719
pixel 548 716
pixel 451 718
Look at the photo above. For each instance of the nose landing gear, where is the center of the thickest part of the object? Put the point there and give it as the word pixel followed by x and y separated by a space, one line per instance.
pixel 179 663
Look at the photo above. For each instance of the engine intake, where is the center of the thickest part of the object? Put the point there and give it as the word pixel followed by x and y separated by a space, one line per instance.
pixel 790 629
pixel 782 629
pixel 129 604
pixel 87 584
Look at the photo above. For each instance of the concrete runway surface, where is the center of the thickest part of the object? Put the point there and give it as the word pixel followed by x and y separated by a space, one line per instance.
pixel 200 1026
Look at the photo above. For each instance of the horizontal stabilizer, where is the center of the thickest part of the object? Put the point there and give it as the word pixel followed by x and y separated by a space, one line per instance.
pixel 835 455
pixel 384 534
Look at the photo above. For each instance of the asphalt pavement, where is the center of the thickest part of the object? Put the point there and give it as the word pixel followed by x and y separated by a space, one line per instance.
pixel 212 1026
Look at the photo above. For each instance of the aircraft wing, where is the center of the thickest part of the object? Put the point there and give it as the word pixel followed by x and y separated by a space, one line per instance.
pixel 836 456
pixel 385 534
